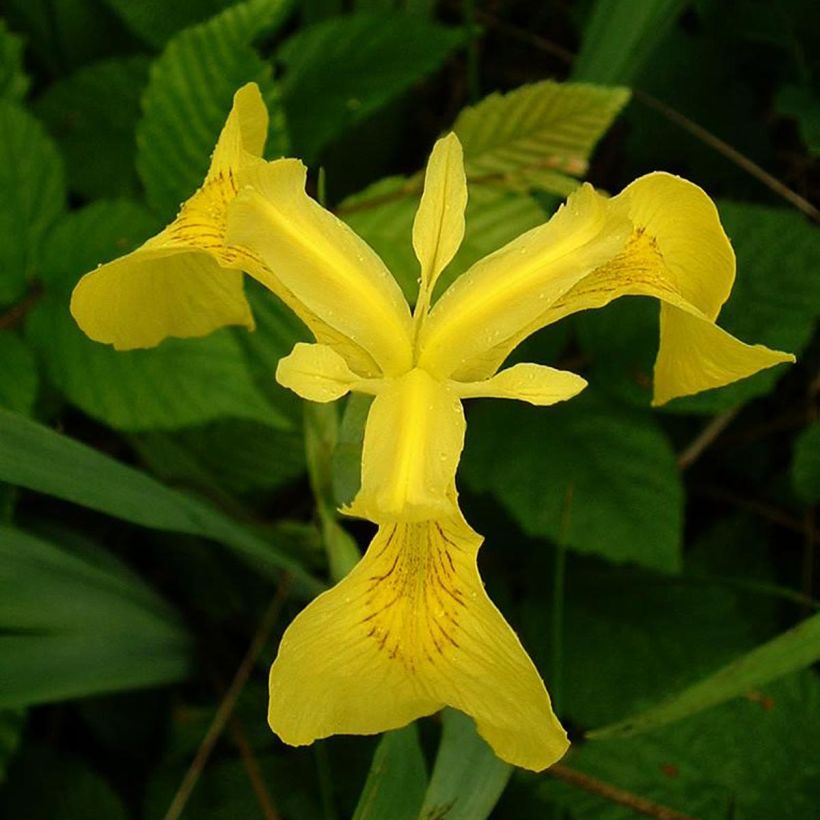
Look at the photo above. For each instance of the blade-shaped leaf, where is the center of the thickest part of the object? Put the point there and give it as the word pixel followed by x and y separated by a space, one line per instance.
pixel 39 459
pixel 793 650
pixel 467 778
pixel 397 779
pixel 18 373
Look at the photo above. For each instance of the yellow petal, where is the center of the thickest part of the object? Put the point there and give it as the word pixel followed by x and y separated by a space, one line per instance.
pixel 184 281
pixel 412 444
pixel 533 383
pixel 508 290
pixel 695 354
pixel 153 293
pixel 439 225
pixel 409 631
pixel 333 273
pixel 318 373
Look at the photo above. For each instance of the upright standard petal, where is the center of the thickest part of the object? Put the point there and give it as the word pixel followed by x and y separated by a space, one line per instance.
pixel 321 263
pixel 409 631
pixel 438 228
pixel 508 290
pixel 185 281
pixel 412 444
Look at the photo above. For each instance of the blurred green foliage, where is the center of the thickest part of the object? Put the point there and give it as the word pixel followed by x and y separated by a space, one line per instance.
pixel 154 498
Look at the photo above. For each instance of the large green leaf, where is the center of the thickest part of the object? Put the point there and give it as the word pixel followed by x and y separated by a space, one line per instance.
pixel 180 383
pixel 73 626
pixel 627 498
pixel 537 136
pixel 749 759
pixel 189 95
pixel 467 778
pixel 793 650
pixel 92 115
pixel 619 37
pixel 39 459
pixel 156 22
pixel 18 373
pixel 806 464
pixel 397 779
pixel 32 196
pixel 13 80
pixel 345 68
pixel 775 301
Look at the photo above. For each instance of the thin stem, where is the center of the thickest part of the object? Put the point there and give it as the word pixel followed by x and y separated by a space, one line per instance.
pixel 638 804
pixel 253 770
pixel 228 703
pixel 690 454
pixel 558 595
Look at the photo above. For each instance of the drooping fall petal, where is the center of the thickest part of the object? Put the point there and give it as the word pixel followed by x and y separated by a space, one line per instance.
pixel 322 264
pixel 185 281
pixel 412 444
pixel 410 630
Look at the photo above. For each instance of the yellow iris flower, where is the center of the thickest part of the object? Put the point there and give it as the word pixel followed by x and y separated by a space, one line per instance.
pixel 411 628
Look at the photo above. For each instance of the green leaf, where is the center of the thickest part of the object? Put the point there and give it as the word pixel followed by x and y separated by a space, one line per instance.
pixel 627 495
pixel 802 105
pixel 12 722
pixel 73 627
pixel 92 115
pixel 32 196
pixel 46 785
pixel 39 459
pixel 189 95
pixel 806 464
pixel 467 778
pixel 793 650
pixel 13 80
pixel 537 136
pixel 397 779
pixel 750 758
pixel 156 22
pixel 18 374
pixel 775 301
pixel 179 383
pixel 345 68
pixel 619 38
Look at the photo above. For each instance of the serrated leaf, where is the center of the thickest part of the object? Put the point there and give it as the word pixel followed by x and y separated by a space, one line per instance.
pixel 789 652
pixel 178 384
pixel 806 464
pixel 343 69
pixel 189 96
pixel 156 22
pixel 18 374
pixel 39 459
pixel 92 115
pixel 13 80
pixel 538 136
pixel 627 497
pixel 618 38
pixel 32 196
pixel 72 627
pixel 397 779
pixel 775 301
pixel 467 777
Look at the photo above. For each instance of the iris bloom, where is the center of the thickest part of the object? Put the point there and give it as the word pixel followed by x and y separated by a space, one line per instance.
pixel 411 628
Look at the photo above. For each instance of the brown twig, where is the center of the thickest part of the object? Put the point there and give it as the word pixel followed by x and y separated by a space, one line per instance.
pixel 638 804
pixel 695 449
pixel 252 768
pixel 15 314
pixel 226 706
pixel 673 115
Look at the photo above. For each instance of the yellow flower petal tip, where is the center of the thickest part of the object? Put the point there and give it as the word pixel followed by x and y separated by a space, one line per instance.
pixel 408 631
pixel 185 281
